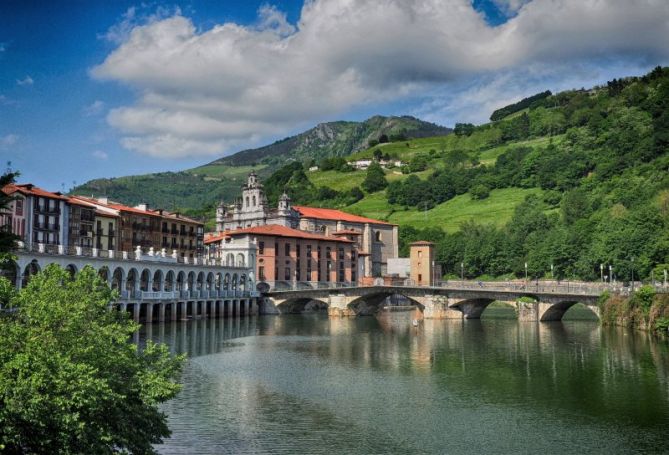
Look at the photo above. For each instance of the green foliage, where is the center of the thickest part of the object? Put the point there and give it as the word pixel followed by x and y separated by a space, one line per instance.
pixel 643 298
pixel 70 380
pixel 375 179
pixel 519 106
pixel 463 129
pixel 7 239
pixel 479 191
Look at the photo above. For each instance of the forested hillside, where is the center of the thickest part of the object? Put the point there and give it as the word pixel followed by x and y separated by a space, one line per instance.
pixel 575 180
pixel 196 191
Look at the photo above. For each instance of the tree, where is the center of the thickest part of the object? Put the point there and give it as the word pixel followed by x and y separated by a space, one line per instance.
pixel 479 192
pixel 375 179
pixel 7 238
pixel 70 382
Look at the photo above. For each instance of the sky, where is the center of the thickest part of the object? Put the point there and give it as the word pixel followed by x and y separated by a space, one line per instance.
pixel 93 89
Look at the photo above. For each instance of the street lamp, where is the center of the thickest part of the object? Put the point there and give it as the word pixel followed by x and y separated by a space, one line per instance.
pixel 551 271
pixel 526 273
pixel 462 271
pixel 610 274
pixel 632 273
pixel 601 272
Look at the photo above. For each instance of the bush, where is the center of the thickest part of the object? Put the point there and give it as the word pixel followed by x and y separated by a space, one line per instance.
pixel 479 192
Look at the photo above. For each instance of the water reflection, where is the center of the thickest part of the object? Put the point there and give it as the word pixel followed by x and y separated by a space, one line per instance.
pixel 312 384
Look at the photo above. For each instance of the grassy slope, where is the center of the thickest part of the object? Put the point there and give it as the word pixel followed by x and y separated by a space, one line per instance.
pixel 497 209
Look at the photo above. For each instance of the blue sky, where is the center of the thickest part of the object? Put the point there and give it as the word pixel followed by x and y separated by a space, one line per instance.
pixel 99 89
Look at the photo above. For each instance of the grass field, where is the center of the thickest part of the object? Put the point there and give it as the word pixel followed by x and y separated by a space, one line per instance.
pixel 221 171
pixel 497 209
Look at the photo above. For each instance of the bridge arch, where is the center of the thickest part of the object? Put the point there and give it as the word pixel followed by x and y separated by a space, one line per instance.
pixel 190 283
pixel 472 308
pixel 226 282
pixel 33 268
pixel 200 281
pixel 300 305
pixel 371 303
pixel 210 281
pixel 556 311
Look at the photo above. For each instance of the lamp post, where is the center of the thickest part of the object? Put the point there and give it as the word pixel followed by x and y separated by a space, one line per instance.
pixel 665 278
pixel 610 274
pixel 551 271
pixel 526 274
pixel 462 271
pixel 632 273
pixel 601 272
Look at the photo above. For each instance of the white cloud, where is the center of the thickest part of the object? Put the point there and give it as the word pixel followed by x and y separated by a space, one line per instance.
pixel 8 140
pixel 510 7
pixel 99 154
pixel 95 108
pixel 25 81
pixel 204 92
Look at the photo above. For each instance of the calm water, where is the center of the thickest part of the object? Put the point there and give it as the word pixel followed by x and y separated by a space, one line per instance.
pixel 307 384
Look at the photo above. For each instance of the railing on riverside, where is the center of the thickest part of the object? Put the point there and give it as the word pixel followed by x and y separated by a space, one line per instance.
pixel 529 287
pixel 136 255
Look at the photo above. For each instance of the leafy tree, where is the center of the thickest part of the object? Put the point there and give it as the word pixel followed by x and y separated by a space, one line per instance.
pixel 70 382
pixel 7 239
pixel 375 179
pixel 463 129
pixel 479 192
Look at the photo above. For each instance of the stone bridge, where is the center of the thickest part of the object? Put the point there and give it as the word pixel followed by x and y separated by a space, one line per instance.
pixel 451 301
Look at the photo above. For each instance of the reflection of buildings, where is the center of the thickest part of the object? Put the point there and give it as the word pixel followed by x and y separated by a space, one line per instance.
pixel 375 241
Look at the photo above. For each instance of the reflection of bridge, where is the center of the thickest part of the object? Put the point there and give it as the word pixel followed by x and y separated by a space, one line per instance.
pixel 156 287
pixel 452 300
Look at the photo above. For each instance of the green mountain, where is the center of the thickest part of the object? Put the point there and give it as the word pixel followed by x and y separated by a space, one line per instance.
pixel 196 190
pixel 578 181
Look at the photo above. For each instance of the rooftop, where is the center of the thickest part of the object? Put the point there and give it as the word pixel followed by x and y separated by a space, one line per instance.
pixel 29 189
pixel 275 230
pixel 335 215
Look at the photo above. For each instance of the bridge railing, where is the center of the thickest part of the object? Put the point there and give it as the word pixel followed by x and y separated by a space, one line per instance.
pixel 530 287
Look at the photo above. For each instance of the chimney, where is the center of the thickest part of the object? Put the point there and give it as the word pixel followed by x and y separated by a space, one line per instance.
pixel 103 200
pixel 144 207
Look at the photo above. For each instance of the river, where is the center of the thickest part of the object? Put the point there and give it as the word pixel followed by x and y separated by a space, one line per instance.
pixel 309 384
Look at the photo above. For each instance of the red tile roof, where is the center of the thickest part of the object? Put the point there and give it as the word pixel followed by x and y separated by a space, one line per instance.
pixel 278 231
pixel 347 232
pixel 335 215
pixel 31 190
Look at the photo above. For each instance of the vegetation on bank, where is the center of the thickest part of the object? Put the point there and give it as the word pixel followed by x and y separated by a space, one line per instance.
pixel 70 379
pixel 644 310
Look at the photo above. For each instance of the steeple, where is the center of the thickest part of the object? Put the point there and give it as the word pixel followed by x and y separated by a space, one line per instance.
pixel 284 204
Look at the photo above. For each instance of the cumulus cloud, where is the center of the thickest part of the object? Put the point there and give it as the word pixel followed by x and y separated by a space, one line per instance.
pixel 100 154
pixel 202 92
pixel 8 140
pixel 25 81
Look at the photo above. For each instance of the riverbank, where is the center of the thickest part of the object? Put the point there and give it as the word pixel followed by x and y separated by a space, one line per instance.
pixel 643 310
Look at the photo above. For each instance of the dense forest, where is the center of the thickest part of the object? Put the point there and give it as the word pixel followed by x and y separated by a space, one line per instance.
pixel 602 180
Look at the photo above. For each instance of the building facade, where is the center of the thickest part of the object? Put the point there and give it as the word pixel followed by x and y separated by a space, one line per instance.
pixel 375 241
pixel 44 216
pixel 284 254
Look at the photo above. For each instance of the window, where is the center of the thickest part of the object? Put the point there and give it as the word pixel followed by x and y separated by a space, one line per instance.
pixel 377 236
pixel 261 272
pixel 287 249
pixel 247 202
pixel 420 254
pixel 276 248
pixel 420 278
pixel 254 201
pixel 309 251
pixel 298 250
pixel 318 252
pixel 18 207
pixel 287 273
pixel 341 253
pixel 261 247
